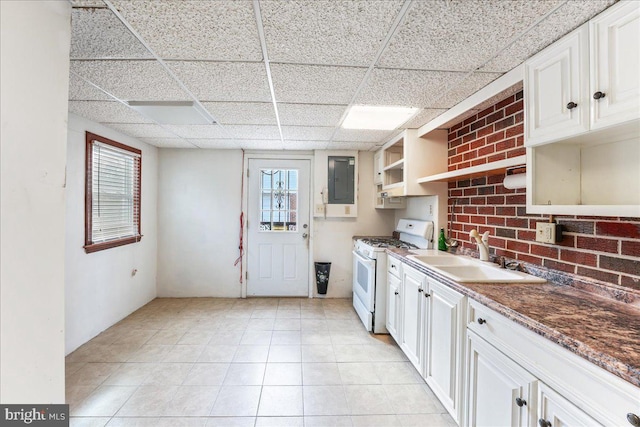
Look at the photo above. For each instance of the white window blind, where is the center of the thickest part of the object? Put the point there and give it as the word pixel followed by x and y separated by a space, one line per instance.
pixel 115 193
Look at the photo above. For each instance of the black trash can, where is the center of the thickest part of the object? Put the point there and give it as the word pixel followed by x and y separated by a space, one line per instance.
pixel 322 276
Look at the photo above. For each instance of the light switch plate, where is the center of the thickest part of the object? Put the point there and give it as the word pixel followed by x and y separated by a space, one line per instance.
pixel 548 232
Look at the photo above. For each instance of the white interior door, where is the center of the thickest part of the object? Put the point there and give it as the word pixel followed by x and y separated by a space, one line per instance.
pixel 278 228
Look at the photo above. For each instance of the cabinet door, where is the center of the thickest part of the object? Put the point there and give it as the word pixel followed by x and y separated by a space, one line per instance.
pixel 393 305
pixel 413 284
pixel 445 338
pixel 615 65
pixel 494 383
pixel 377 167
pixel 556 411
pixel 555 79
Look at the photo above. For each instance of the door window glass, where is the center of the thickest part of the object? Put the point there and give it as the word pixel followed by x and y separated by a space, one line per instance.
pixel 279 204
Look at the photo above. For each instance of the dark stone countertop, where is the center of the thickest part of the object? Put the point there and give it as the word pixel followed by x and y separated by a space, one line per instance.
pixel 602 330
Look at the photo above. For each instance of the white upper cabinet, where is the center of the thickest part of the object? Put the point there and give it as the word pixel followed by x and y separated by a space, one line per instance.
pixel 586 81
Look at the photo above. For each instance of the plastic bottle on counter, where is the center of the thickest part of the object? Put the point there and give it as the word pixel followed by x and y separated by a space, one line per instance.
pixel 442 241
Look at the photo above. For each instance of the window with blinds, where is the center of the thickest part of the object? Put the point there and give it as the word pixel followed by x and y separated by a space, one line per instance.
pixel 112 201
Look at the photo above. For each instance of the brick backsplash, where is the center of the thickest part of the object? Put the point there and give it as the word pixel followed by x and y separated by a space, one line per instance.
pixel 601 248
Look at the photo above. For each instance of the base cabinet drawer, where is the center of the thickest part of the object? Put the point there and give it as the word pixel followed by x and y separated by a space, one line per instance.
pixel 554 410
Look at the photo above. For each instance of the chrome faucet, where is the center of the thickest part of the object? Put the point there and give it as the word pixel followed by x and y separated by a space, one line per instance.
pixel 483 243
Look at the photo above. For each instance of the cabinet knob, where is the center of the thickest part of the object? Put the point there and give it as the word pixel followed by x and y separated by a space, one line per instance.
pixel 599 95
pixel 633 419
pixel 481 321
pixel 427 294
pixel 396 293
pixel 419 289
pixel 544 423
pixel 571 105
pixel 520 402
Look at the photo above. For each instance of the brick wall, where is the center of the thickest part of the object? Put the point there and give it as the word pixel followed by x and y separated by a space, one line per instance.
pixel 602 248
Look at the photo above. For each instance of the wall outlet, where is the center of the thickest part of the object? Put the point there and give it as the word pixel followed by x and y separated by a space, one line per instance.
pixel 319 209
pixel 548 232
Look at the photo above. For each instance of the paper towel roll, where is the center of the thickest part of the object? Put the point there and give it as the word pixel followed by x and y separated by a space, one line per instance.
pixel 515 181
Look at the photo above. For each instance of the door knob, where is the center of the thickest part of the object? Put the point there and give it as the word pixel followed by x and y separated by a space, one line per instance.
pixel 305 235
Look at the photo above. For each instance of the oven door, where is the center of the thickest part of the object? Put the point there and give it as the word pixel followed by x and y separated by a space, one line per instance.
pixel 364 281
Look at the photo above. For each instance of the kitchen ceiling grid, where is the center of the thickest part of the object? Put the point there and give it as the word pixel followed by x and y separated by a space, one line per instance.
pixel 281 74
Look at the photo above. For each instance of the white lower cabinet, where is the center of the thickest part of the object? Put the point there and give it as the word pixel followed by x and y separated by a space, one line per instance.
pixel 393 305
pixel 556 411
pixel 412 316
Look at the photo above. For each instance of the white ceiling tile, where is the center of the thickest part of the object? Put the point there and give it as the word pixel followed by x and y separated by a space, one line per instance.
pixel 106 111
pixel 252 144
pixel 310 114
pixel 198 131
pixel 463 89
pixel 423 117
pixel 253 132
pixel 141 130
pixel 216 143
pixel 208 30
pixel 224 81
pixel 99 34
pixel 305 145
pixel 357 135
pixel 242 113
pixel 80 90
pixel 408 88
pixel 350 145
pixel 312 84
pixel 459 35
pixel 566 18
pixel 168 142
pixel 131 80
pixel 307 133
pixel 326 32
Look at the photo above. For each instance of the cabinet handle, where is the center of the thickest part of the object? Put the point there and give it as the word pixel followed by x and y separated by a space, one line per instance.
pixel 419 289
pixel 481 320
pixel 427 294
pixel 599 95
pixel 544 423
pixel 633 419
pixel 396 293
pixel 571 105
pixel 520 402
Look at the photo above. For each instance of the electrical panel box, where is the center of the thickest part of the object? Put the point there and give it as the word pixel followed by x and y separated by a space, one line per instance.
pixel 341 180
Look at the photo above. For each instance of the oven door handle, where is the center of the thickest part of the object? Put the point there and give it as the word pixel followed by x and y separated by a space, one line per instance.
pixel 363 259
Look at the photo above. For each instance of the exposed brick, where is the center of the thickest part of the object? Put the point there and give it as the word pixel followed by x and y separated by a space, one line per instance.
pixel 519 95
pixel 506 232
pixel 470 120
pixel 507 101
pixel 620 229
pixel 506 210
pixel 455 159
pixel 499 114
pixel 497 243
pixel 462 131
pixel 455 127
pixel 496 157
pixel 581 227
pixel 567 241
pixel 451 135
pixel 487 149
pixel 486 111
pixel 469 155
pixel 545 251
pixel 518 246
pixel 631 248
pixel 455 193
pixel 514 131
pixel 515 222
pixel 485 131
pixel 555 265
pixel 455 142
pixel 495 137
pixel 486 210
pixel 519 117
pixel 471 191
pixel 451 153
pixel 495 200
pixel 477 143
pixel 477 124
pixel 630 282
pixel 527 235
pixel 496 220
pixel 479 161
pixel 479 181
pixel 575 257
pixel 516 199
pixel 623 265
pixel 495 179
pixel 598 275
pixel 530 259
pixel 504 123
pixel 521 151
pixel 470 210
pixel 490 189
pixel 505 144
pixel 479 201
pixel 597 244
pixel 464 165
pixel 462 218
pixel 514 108
pixel 477 219
pixel 469 137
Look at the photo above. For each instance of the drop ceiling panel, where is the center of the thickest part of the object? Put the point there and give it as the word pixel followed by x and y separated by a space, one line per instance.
pixel 131 80
pixel 459 35
pixel 242 113
pixel 106 111
pixel 461 90
pixel 350 145
pixel 224 81
pixel 307 133
pixel 562 21
pixel 253 132
pixel 198 131
pixel 80 90
pixel 206 30
pixel 216 143
pixel 408 88
pixel 141 130
pixel 311 84
pixel 87 3
pixel 99 34
pixel 168 142
pixel 248 144
pixel 310 114
pixel 423 117
pixel 357 135
pixel 326 32
pixel 305 145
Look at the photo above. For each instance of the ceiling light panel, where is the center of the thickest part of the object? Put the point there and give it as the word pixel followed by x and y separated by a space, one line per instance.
pixel 459 35
pixel 326 32
pixel 99 34
pixel 106 111
pixel 253 132
pixel 131 80
pixel 307 133
pixel 224 81
pixel 462 89
pixel 242 113
pixel 377 117
pixel 168 142
pixel 310 84
pixel 205 30
pixel 407 88
pixel 568 17
pixel 227 144
pixel 423 117
pixel 80 90
pixel 310 114
pixel 141 130
pixel 359 135
pixel 198 131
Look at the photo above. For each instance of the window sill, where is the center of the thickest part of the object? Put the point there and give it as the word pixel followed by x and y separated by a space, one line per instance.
pixel 95 247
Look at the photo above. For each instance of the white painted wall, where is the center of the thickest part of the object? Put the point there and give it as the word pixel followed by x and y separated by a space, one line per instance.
pixel 100 289
pixel 34 72
pixel 428 208
pixel 199 223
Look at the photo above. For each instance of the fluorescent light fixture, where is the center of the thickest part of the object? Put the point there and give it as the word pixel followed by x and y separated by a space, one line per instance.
pixel 173 112
pixel 377 117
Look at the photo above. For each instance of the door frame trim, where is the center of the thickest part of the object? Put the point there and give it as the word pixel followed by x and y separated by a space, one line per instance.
pixel 249 155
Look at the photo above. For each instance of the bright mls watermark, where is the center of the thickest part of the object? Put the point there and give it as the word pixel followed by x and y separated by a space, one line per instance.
pixel 34 415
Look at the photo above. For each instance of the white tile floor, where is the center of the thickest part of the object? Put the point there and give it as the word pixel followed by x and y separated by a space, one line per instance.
pixel 252 362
